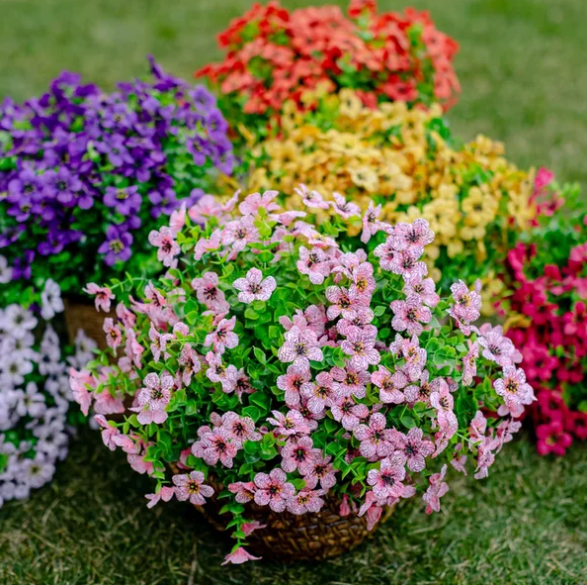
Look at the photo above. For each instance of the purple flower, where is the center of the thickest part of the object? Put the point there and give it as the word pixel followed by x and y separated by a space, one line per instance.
pixel 125 200
pixel 117 245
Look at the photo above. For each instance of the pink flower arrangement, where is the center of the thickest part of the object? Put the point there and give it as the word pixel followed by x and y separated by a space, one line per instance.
pixel 547 304
pixel 301 365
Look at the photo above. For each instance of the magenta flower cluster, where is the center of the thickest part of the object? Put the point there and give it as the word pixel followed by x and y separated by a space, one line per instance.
pixel 292 364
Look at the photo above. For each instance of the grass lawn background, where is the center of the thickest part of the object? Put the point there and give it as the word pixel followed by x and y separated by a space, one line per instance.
pixel 524 81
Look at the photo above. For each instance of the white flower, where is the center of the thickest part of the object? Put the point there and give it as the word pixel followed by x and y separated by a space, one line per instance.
pixel 13 369
pixel 17 321
pixel 51 301
pixel 5 275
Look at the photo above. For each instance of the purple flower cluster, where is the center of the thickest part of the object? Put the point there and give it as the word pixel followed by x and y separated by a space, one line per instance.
pixel 79 166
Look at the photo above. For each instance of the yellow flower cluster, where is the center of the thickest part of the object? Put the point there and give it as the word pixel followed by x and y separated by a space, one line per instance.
pixel 397 157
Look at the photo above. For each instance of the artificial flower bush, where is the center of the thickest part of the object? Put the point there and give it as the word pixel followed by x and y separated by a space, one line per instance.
pixel 34 400
pixel 85 176
pixel 281 362
pixel 547 304
pixel 403 164
pixel 273 56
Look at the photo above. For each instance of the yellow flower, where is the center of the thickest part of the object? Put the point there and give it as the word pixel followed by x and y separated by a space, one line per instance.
pixel 365 177
pixel 350 104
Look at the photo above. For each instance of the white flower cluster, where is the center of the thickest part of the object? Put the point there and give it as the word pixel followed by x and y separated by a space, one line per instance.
pixel 34 400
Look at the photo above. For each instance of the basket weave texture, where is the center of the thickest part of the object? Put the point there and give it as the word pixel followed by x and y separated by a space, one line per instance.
pixel 291 537
pixel 83 315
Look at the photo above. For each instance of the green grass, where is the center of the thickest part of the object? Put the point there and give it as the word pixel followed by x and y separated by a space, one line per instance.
pixel 524 81
pixel 525 524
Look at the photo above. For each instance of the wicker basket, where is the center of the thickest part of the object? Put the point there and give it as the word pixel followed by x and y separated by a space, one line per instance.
pixel 82 314
pixel 290 537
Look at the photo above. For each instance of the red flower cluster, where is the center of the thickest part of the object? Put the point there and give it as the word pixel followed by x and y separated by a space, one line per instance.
pixel 549 281
pixel 274 55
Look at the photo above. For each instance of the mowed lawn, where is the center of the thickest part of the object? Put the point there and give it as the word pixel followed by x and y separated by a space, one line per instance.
pixel 524 82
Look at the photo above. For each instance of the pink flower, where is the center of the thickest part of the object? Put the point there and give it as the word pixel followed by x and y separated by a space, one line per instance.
pixel 320 471
pixel 470 364
pixel 239 233
pixel 496 347
pixel 253 287
pixel 344 302
pixel 371 224
pixel 298 453
pixel 350 381
pixel 224 337
pixel 300 347
pixel 295 381
pixel 190 363
pixel 113 333
pixel 215 445
pixel 164 239
pixel 413 237
pixel 391 385
pixel 414 447
pixel 306 501
pixel 409 315
pixel 177 219
pixel 292 423
pixel 415 356
pixel 467 305
pixel 256 201
pixel 109 432
pixel 165 494
pixel 311 198
pixel 360 345
pixel 190 487
pixel 374 438
pixel 250 527
pixel 387 480
pixel 514 390
pixel 153 399
pixel 238 556
pixel 79 381
pixel 346 411
pixel 103 294
pixel 423 392
pixel 159 343
pixel 244 492
pixel 208 293
pixel 203 245
pixel 217 371
pixel 321 394
pixel 345 208
pixel 239 428
pixel 435 491
pixel 424 289
pixel 386 253
pixel 237 381
pixel 314 263
pixel 273 490
pixel 406 263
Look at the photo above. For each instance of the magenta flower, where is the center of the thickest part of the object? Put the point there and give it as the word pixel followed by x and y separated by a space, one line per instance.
pixel 164 239
pixel 273 490
pixel 391 385
pixel 298 453
pixel 215 445
pixel 224 337
pixel 321 394
pixel 360 345
pixel 208 293
pixel 159 343
pixel 287 425
pixel 410 314
pixel 414 447
pixel 424 289
pixel 103 294
pixel 514 389
pixel 113 333
pixel 253 287
pixel 153 399
pixel 238 556
pixel 387 480
pixel 295 381
pixel 314 263
pixel 190 487
pixel 346 411
pixel 300 347
pixel 374 438
pixel 320 472
pixel 350 381
pixel 244 491
pixel 413 236
pixel 306 501
pixel 436 489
